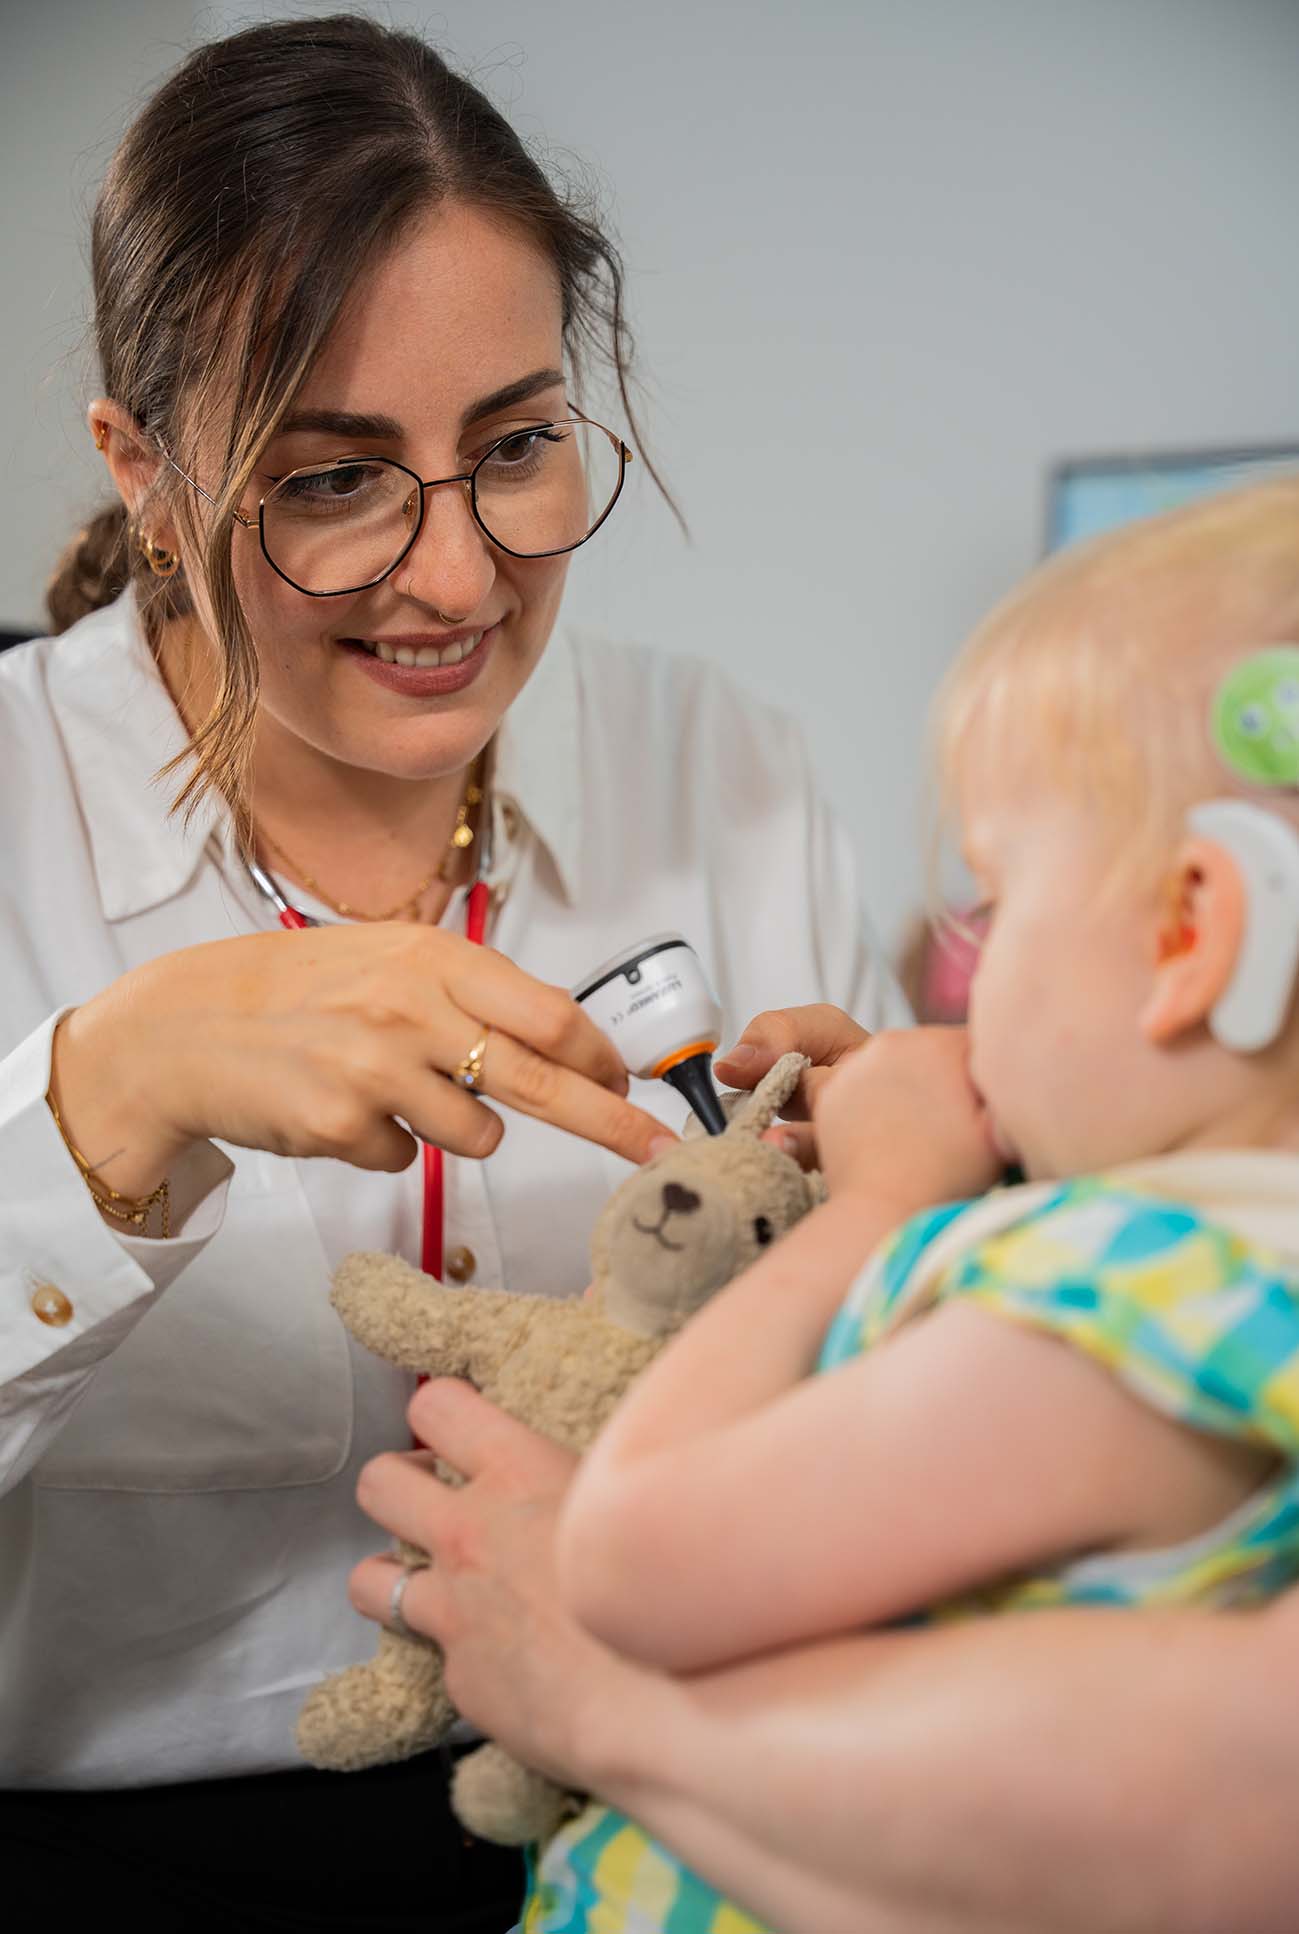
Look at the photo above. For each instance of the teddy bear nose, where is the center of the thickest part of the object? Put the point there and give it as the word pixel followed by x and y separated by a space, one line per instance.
pixel 679 1201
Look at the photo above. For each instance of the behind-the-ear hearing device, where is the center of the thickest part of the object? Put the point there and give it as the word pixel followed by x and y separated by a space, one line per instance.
pixel 654 1003
pixel 1251 1011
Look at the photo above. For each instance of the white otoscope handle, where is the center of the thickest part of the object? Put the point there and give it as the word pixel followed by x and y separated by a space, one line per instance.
pixel 653 1001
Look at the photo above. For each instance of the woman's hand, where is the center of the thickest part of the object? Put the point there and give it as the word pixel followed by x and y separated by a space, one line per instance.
pixel 516 1664
pixel 823 1033
pixel 900 1122
pixel 944 1746
pixel 323 1042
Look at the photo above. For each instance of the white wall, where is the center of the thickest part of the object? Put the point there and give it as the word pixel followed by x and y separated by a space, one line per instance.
pixel 889 261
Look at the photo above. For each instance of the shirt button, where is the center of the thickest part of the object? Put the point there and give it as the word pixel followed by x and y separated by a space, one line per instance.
pixel 51 1305
pixel 461 1264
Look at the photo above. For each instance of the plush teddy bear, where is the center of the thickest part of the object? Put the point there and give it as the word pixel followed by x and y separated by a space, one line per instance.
pixel 672 1234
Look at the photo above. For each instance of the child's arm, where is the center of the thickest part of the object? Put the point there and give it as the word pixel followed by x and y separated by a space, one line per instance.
pixel 962 1450
pixel 899 1129
pixel 730 1507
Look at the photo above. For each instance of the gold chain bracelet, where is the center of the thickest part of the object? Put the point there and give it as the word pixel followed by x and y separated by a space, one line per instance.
pixel 133 1210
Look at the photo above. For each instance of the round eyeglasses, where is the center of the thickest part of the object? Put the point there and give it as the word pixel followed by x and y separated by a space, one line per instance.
pixel 539 490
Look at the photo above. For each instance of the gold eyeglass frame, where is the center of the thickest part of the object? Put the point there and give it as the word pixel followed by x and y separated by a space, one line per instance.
pixel 467 478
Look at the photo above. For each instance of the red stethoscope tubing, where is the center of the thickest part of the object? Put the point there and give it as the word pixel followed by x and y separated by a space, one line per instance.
pixel 433 1217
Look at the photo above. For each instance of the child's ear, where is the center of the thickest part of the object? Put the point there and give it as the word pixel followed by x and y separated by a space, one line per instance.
pixel 1197 941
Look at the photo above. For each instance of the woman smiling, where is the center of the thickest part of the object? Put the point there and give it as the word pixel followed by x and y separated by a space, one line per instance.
pixel 343 322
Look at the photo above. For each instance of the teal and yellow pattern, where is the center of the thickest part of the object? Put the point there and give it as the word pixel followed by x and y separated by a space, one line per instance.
pixel 1191 1317
pixel 602 1875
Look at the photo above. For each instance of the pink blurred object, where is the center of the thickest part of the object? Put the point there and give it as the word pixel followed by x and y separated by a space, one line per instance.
pixel 938 965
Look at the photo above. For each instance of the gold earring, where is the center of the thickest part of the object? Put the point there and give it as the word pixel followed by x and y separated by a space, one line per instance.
pixel 163 563
pixel 101 435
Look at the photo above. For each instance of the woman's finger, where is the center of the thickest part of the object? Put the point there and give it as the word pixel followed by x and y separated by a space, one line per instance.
pixel 821 1032
pixel 402 1492
pixel 544 1018
pixel 423 1601
pixel 443 1113
pixel 392 1069
pixel 511 1072
pixel 377 1143
pixel 471 1433
pixel 514 1074
pixel 453 1422
pixel 376 1078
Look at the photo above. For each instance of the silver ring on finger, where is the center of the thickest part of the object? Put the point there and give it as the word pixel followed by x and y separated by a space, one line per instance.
pixel 469 1072
pixel 394 1621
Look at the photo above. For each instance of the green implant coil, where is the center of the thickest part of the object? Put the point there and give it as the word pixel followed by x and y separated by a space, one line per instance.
pixel 1256 717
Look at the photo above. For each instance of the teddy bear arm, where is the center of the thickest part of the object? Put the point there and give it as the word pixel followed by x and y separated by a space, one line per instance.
pixel 389 1708
pixel 412 1320
pixel 482 1328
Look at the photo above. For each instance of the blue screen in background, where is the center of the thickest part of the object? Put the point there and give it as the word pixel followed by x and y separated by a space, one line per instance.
pixel 1097 493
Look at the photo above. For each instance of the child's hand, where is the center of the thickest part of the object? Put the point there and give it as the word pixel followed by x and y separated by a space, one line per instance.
pixel 899 1120
pixel 823 1033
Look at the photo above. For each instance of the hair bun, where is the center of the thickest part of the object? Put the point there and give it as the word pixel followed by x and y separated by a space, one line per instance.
pixel 92 570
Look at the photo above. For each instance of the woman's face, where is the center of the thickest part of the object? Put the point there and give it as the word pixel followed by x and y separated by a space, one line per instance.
pixel 453 339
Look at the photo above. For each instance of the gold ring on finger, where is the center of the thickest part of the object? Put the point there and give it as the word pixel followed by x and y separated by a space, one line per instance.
pixel 469 1072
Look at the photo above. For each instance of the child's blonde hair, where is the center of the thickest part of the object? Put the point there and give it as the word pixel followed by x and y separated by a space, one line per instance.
pixel 1098 673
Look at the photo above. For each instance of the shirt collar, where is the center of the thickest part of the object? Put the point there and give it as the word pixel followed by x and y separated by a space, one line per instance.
pixel 121 726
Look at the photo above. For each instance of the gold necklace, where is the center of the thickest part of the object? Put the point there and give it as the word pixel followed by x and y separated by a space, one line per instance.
pixel 462 837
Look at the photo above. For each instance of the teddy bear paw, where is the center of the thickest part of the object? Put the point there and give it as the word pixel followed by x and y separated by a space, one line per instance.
pixel 499 1800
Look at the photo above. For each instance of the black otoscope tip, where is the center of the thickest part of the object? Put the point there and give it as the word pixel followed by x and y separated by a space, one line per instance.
pixel 694 1080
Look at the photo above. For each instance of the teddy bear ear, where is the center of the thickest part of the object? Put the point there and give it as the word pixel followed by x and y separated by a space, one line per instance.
pixel 732 1100
pixel 758 1110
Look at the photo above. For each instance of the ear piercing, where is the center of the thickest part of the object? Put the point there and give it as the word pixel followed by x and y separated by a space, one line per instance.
pixel 163 563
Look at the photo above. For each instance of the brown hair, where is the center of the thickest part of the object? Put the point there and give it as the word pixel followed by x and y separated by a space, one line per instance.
pixel 235 216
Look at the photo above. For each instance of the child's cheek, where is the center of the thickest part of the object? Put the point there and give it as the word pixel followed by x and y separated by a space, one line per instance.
pixel 1002 1005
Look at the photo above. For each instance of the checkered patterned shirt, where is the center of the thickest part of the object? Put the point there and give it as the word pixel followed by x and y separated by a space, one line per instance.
pixel 1192 1316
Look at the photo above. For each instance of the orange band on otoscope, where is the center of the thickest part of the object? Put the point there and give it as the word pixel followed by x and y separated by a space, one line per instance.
pixel 675 1059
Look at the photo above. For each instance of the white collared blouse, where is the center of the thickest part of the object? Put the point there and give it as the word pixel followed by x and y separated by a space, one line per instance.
pixel 182 1422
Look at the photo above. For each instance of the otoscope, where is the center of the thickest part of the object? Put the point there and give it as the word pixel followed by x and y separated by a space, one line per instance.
pixel 654 1003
